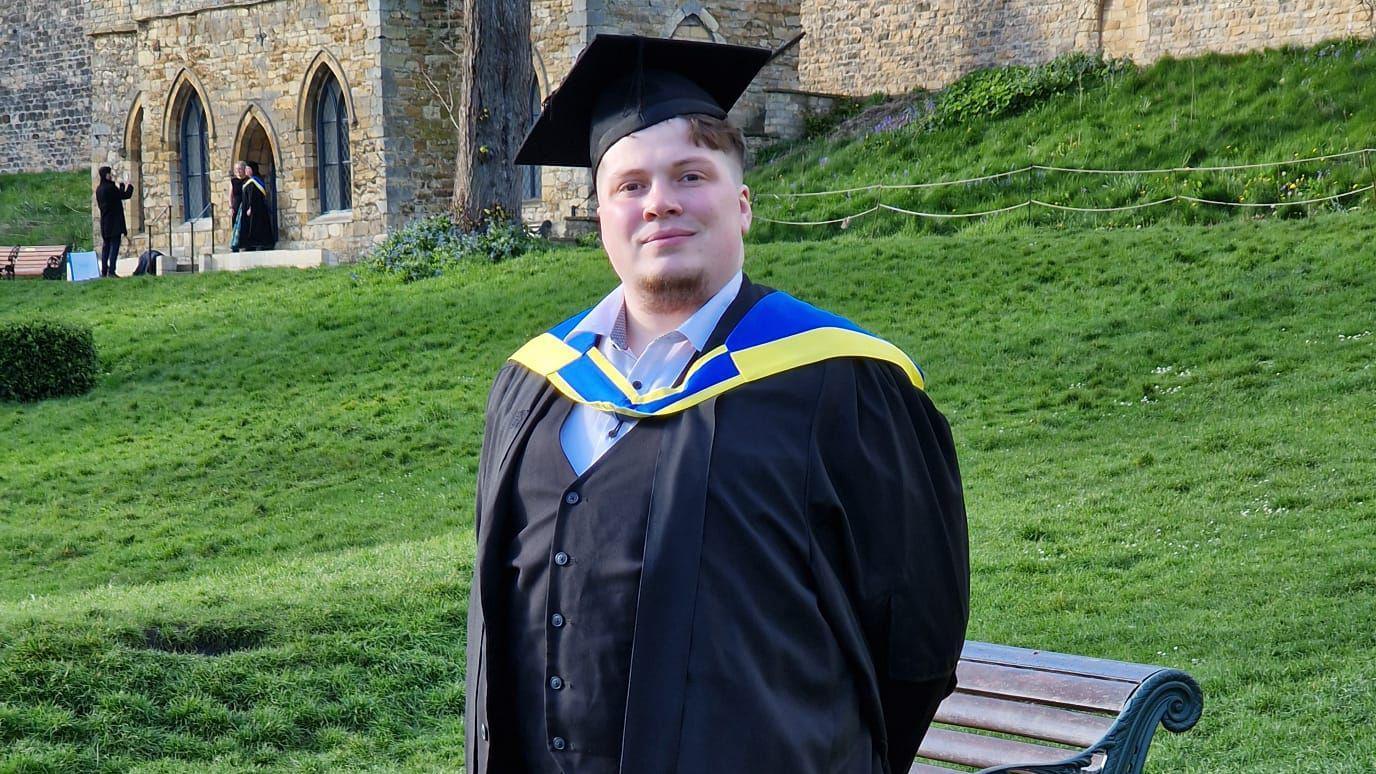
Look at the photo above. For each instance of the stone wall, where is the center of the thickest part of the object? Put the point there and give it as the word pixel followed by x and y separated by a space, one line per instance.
pixel 420 75
pixel 863 46
pixel 250 62
pixel 1193 27
pixel 45 85
pixel 866 46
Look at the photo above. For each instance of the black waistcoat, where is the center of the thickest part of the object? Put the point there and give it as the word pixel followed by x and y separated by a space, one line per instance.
pixel 571 578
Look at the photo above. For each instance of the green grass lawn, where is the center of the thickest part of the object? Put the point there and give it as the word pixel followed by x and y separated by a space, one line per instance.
pixel 1210 111
pixel 46 208
pixel 249 547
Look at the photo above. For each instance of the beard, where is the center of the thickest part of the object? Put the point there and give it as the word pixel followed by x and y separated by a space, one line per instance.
pixel 665 294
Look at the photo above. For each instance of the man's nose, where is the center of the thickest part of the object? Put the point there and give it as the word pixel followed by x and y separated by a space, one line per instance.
pixel 661 201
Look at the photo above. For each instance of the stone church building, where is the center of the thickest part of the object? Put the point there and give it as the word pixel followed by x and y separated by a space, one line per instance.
pixel 346 104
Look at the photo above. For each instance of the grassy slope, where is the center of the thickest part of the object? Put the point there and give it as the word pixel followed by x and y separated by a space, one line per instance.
pixel 46 208
pixel 1163 435
pixel 1215 110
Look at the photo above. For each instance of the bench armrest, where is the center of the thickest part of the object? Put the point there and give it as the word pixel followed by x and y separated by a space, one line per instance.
pixel 1168 697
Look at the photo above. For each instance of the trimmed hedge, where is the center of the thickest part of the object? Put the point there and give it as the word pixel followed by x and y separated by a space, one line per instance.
pixel 42 359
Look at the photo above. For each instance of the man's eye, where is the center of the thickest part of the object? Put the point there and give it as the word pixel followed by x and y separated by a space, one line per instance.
pixel 692 177
pixel 629 187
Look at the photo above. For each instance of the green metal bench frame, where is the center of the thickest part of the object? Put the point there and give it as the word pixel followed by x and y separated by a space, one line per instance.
pixel 1025 711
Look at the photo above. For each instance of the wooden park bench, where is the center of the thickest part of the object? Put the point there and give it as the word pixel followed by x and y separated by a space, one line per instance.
pixel 30 261
pixel 1037 712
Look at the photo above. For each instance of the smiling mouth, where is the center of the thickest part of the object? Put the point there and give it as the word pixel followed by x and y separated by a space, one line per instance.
pixel 667 236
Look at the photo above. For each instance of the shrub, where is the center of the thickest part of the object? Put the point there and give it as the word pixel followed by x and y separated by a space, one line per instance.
pixel 427 246
pixel 817 126
pixel 42 359
pixel 1005 91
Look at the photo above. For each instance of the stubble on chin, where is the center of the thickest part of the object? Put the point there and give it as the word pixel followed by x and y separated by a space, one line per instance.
pixel 673 293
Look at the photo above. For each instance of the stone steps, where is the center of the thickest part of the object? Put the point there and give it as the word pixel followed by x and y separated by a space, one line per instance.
pixel 179 262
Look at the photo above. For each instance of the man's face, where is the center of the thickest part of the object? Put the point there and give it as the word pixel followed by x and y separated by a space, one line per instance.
pixel 240 170
pixel 673 215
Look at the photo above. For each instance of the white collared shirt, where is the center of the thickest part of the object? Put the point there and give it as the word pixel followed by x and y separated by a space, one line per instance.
pixel 588 433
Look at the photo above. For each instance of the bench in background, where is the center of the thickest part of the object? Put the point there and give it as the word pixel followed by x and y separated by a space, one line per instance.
pixel 30 261
pixel 1054 713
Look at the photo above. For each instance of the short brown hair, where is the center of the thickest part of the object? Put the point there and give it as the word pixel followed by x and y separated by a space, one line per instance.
pixel 717 134
pixel 708 132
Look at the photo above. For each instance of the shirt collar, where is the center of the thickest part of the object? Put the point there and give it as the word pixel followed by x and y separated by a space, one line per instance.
pixel 608 318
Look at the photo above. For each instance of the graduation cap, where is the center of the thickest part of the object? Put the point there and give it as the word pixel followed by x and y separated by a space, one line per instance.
pixel 624 83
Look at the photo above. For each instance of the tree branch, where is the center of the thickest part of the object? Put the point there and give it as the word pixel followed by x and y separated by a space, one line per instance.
pixel 447 104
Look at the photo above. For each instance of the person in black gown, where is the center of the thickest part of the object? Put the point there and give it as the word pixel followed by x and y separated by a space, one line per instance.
pixel 256 227
pixel 718 529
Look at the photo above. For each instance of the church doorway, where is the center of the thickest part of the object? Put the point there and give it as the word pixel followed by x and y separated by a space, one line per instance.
pixel 133 148
pixel 255 145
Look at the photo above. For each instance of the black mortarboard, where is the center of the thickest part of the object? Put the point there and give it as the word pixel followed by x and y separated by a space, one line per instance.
pixel 624 83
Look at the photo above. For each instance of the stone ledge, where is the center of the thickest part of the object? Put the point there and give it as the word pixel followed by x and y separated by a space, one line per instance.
pixel 299 259
pixel 207 8
pixel 338 216
pixel 112 29
pixel 201 225
pixel 806 93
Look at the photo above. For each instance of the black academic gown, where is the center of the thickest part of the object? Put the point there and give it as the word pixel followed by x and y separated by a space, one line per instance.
pixel 828 493
pixel 255 219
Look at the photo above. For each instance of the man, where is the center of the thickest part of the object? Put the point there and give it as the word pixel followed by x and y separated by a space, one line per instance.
pixel 110 199
pixel 719 531
pixel 236 193
pixel 256 228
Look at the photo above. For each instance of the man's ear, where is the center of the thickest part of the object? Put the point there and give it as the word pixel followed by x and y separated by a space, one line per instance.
pixel 747 213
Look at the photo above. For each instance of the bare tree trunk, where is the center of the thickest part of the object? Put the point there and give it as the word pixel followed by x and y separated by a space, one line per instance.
pixel 493 106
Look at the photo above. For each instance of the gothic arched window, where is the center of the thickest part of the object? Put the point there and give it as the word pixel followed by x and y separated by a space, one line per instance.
pixel 195 161
pixel 332 147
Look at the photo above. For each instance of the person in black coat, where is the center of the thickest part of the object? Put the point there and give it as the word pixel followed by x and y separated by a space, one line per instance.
pixel 110 199
pixel 256 229
pixel 717 529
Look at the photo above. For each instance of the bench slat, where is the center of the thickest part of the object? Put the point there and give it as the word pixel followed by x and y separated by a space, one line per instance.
pixel 1023 719
pixel 44 250
pixel 949 746
pixel 1059 662
pixel 1071 691
pixel 927 768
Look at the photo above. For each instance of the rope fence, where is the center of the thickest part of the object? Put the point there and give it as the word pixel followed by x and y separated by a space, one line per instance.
pixel 846 220
pixel 1030 203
